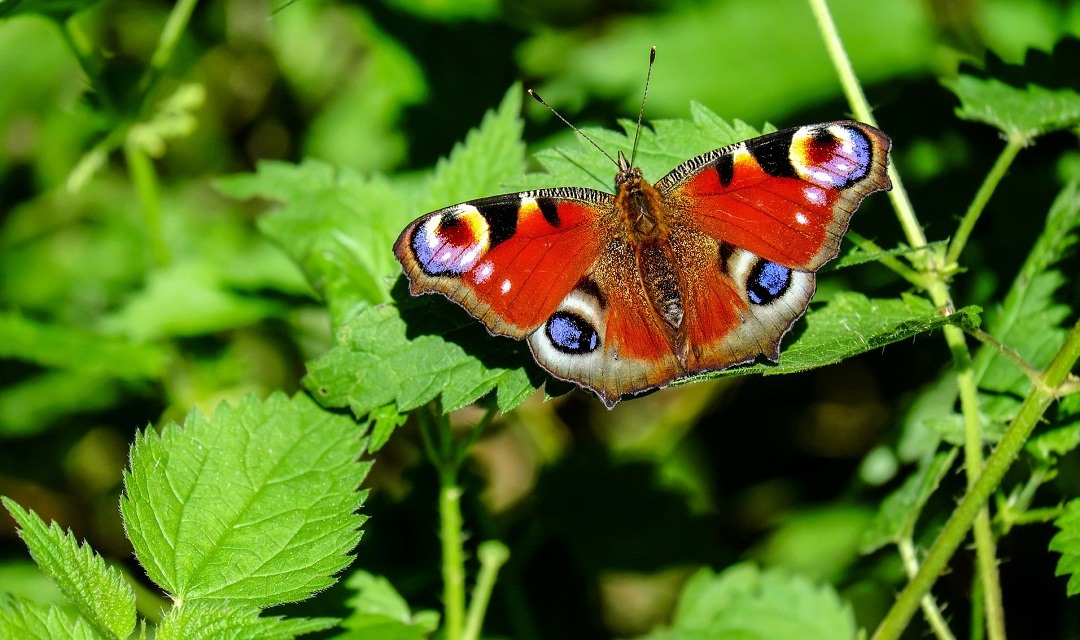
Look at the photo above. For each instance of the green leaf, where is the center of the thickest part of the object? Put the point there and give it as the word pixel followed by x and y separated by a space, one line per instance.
pixel 99 592
pixel 59 10
pixel 900 511
pixel 409 355
pixel 746 603
pixel 213 620
pixel 1067 543
pixel 380 613
pixel 1049 446
pixel 1032 318
pixel 28 621
pixel 450 11
pixel 850 324
pixel 189 298
pixel 1024 101
pixel 858 256
pixel 384 421
pixel 820 543
pixel 70 348
pixel 341 228
pixel 34 405
pixel 256 504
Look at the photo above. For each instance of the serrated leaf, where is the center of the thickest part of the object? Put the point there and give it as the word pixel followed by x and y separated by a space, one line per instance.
pixel 1024 101
pixel 98 591
pixel 900 511
pixel 858 256
pixel 384 421
pixel 380 613
pixel 1064 437
pixel 66 347
pixel 412 353
pixel 1031 318
pixel 213 620
pixel 341 228
pixel 257 504
pixel 189 298
pixel 29 621
pixel 1067 543
pixel 851 324
pixel 749 604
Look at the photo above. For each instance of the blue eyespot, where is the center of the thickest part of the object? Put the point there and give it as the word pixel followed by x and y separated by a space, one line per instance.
pixel 767 282
pixel 570 333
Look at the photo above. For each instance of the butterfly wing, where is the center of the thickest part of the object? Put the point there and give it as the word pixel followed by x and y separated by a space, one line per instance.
pixel 753 222
pixel 547 266
pixel 509 260
pixel 786 196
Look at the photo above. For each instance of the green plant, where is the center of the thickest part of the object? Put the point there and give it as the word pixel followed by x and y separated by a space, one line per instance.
pixel 257 505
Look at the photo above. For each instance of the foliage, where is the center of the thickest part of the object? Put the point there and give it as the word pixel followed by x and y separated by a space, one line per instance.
pixel 202 321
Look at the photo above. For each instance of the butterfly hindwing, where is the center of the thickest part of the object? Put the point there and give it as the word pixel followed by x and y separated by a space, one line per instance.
pixel 786 196
pixel 509 260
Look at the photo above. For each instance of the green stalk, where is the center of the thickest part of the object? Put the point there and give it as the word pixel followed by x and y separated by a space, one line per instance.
pixel 170 35
pixel 930 608
pixel 982 197
pixel 955 529
pixel 453 555
pixel 144 177
pixel 493 555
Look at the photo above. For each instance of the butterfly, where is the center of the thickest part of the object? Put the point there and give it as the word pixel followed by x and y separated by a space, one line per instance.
pixel 622 293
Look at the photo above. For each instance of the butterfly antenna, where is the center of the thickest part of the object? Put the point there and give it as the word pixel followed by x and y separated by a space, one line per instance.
pixel 536 96
pixel 641 112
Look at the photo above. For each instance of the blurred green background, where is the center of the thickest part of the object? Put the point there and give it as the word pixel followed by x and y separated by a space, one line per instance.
pixel 144 317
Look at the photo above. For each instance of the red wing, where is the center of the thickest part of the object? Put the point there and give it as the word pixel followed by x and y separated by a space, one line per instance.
pixel 785 196
pixel 508 260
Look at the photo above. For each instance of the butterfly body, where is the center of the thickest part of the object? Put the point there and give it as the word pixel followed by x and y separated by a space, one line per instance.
pixel 705 269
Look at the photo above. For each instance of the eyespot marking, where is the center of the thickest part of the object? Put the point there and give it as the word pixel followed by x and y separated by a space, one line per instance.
pixel 835 156
pixel 451 243
pixel 570 333
pixel 767 282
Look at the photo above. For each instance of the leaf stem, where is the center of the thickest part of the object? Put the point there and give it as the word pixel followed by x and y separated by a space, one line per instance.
pixel 80 47
pixel 929 606
pixel 493 555
pixel 453 554
pixel 953 533
pixel 1031 372
pixel 861 110
pixel 144 177
pixel 982 197
pixel 170 35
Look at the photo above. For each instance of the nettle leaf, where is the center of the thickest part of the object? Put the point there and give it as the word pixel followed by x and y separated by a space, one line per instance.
pixel 410 354
pixel 1024 101
pixel 1032 318
pixel 28 621
pixel 99 592
pixel 212 620
pixel 664 145
pixel 1067 543
pixel 851 324
pixel 67 347
pixel 384 421
pixel 380 613
pixel 341 228
pixel 256 504
pixel 747 603
pixel 900 511
pixel 1064 437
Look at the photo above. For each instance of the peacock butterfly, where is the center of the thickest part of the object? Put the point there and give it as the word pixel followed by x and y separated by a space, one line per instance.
pixel 705 269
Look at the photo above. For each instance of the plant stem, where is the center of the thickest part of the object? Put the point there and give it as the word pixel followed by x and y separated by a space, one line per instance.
pixel 861 110
pixel 982 197
pixel 493 555
pixel 144 176
pixel 929 607
pixel 952 534
pixel 453 554
pixel 170 35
